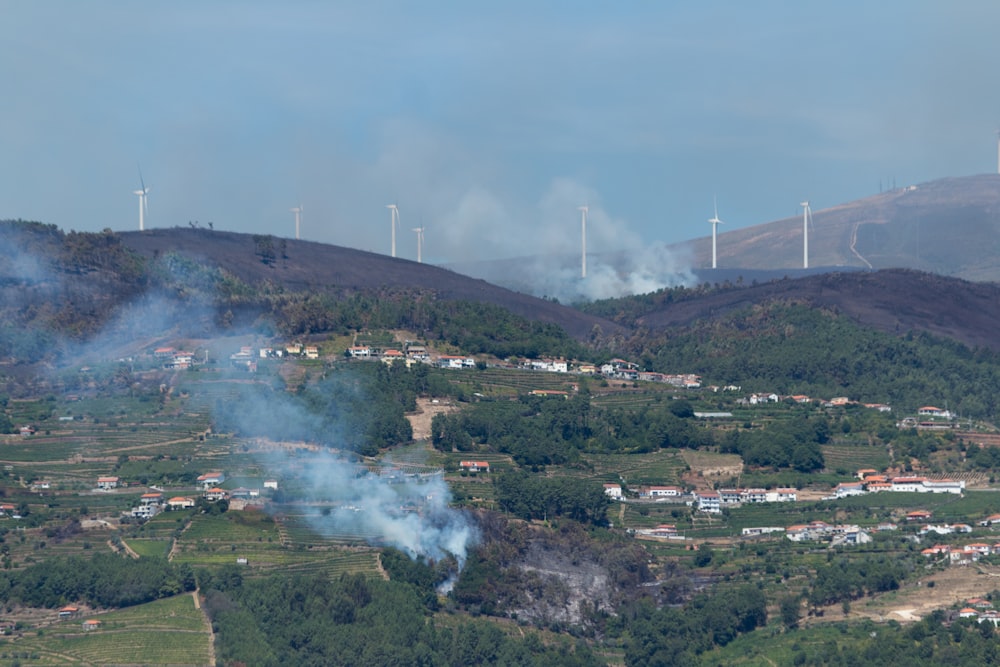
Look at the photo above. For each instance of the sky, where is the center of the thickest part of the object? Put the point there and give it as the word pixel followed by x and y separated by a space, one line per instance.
pixel 488 124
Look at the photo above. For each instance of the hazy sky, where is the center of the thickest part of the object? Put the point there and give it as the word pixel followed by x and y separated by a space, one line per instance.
pixel 488 123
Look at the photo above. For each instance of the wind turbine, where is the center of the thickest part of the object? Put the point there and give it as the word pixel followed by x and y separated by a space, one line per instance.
pixel 583 237
pixel 394 222
pixel 714 220
pixel 143 207
pixel 298 219
pixel 805 234
pixel 420 243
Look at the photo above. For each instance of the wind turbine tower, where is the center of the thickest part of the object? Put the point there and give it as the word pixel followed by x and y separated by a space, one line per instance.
pixel 805 234
pixel 298 219
pixel 420 243
pixel 394 222
pixel 583 232
pixel 715 222
pixel 143 207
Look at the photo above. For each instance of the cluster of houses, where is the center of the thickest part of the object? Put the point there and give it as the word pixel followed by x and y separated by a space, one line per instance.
pixel 839 535
pixel 871 481
pixel 839 401
pixel 981 610
pixel 246 358
pixel 155 501
pixel 706 501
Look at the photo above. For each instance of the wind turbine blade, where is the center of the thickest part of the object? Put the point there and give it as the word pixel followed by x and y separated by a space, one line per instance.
pixel 142 184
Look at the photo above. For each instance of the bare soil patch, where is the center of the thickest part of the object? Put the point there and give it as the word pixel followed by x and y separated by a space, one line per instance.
pixel 915 601
pixel 420 421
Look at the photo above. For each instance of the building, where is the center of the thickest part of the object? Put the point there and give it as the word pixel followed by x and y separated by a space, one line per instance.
pixel 107 483
pixel 708 501
pixel 660 492
pixel 474 466
pixel 613 491
pixel 210 479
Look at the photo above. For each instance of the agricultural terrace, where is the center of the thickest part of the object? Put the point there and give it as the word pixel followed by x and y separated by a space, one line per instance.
pixel 172 631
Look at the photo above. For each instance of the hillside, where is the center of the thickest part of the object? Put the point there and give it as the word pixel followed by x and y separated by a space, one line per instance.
pixel 304 266
pixel 895 301
pixel 949 226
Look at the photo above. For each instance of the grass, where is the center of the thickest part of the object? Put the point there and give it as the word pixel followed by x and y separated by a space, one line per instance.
pixel 149 548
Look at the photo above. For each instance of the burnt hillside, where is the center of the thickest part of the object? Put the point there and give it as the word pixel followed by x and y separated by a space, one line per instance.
pixel 302 266
pixel 894 300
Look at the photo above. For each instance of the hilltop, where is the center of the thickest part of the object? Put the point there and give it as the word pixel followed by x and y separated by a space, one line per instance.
pixel 949 226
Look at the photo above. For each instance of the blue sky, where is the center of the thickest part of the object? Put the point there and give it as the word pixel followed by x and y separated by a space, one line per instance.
pixel 487 123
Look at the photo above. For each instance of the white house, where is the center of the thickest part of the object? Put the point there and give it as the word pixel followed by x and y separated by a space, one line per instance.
pixel 107 483
pixel 708 501
pixel 660 492
pixel 613 491
pixel 786 495
pixel 211 479
pixel 846 489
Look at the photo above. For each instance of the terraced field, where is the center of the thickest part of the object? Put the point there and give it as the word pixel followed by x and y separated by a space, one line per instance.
pixel 171 631
pixel 854 456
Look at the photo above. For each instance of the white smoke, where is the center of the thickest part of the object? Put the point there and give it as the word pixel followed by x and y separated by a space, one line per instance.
pixel 545 244
pixel 383 505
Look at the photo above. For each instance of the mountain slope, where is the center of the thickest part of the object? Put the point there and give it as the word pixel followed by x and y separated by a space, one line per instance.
pixel 307 266
pixel 949 226
pixel 895 301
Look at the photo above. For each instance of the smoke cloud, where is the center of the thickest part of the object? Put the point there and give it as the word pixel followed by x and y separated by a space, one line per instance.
pixel 306 434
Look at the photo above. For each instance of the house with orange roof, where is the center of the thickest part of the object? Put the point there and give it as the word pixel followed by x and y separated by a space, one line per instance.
pixel 216 494
pixel 91 624
pixel 107 483
pixel 151 498
pixel 210 479
pixel 918 515
pixel 474 466
pixel 180 503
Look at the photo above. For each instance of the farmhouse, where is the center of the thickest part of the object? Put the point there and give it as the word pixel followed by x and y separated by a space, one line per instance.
pixel 107 483
pixel 180 503
pixel 660 491
pixel 215 494
pixel 152 498
pixel 613 491
pixel 781 495
pixel 211 479
pixel 359 351
pixel 846 489
pixel 474 466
